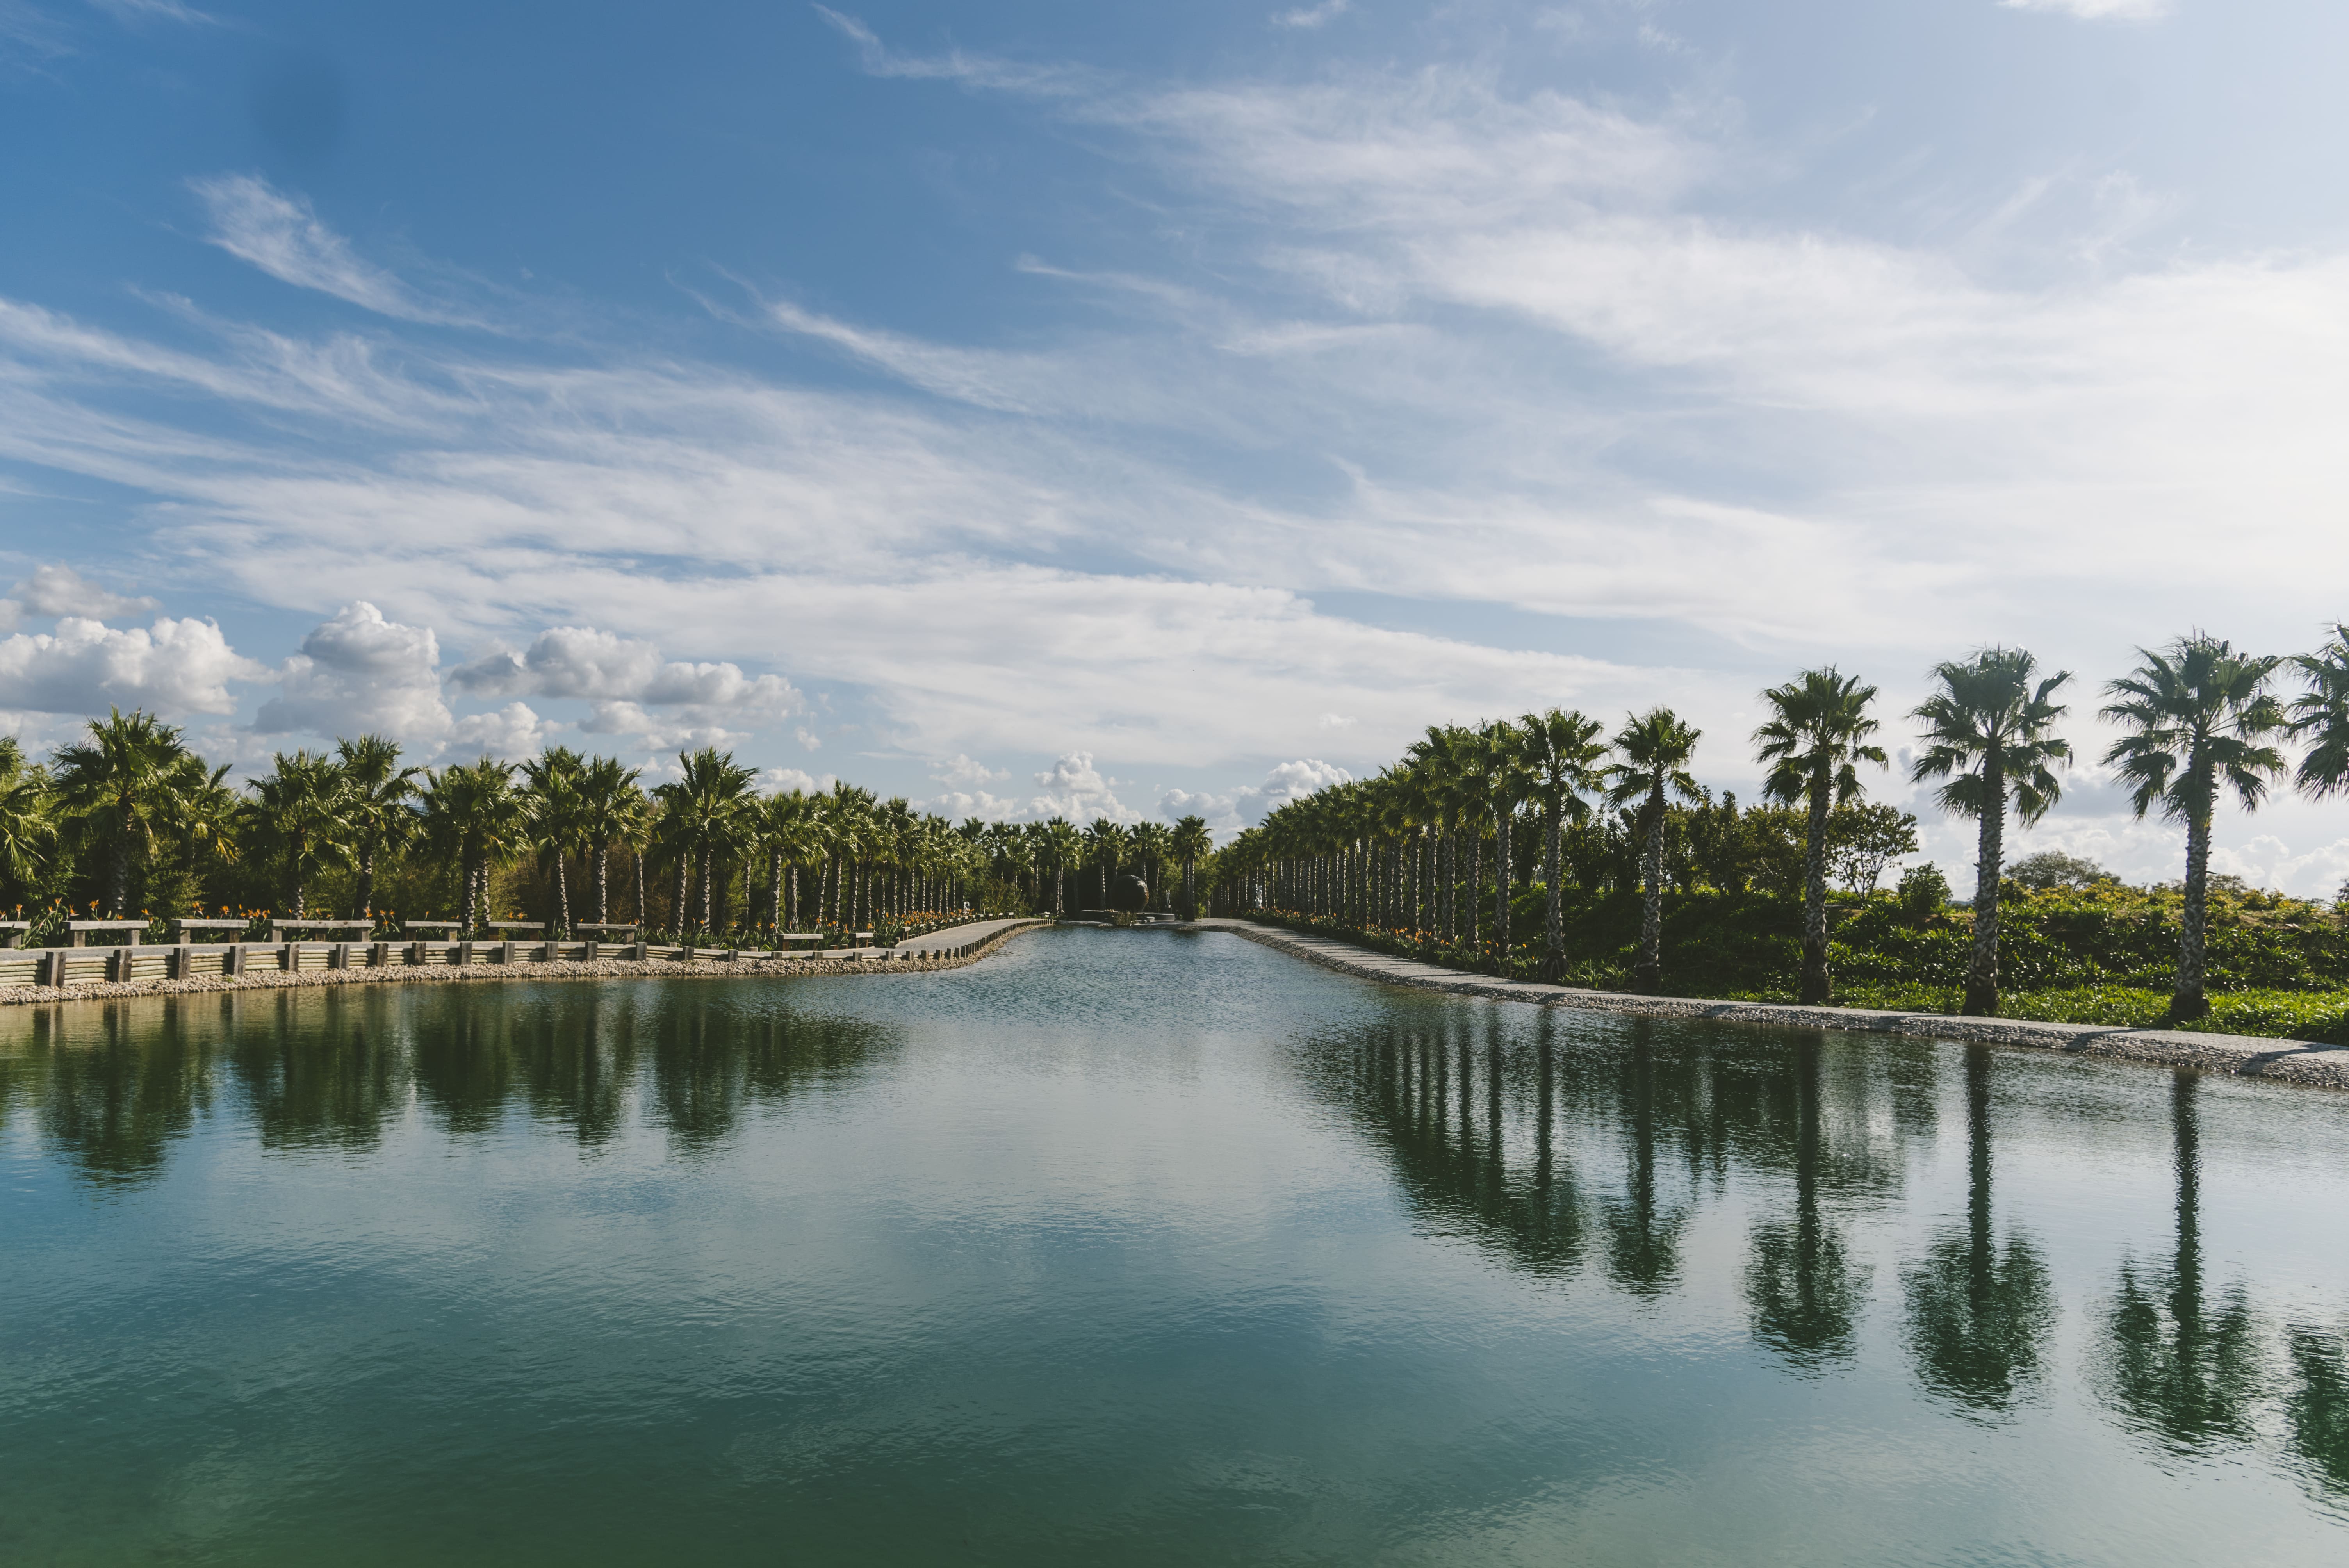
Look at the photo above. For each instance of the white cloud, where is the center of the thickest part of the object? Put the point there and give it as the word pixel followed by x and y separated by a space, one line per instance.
pixel 662 732
pixel 84 667
pixel 959 804
pixel 583 662
pixel 771 779
pixel 511 733
pixel 1074 787
pixel 357 673
pixel 1309 16
pixel 158 10
pixel 963 773
pixel 808 738
pixel 54 589
pixel 2096 10
pixel 282 235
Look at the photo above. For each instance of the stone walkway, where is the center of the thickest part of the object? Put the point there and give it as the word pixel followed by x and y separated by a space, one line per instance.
pixel 957 940
pixel 2242 1055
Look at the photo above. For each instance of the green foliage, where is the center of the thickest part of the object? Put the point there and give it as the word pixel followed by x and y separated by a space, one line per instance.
pixel 1924 892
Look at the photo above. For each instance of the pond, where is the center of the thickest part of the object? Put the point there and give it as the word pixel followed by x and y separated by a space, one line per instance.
pixel 1143 1247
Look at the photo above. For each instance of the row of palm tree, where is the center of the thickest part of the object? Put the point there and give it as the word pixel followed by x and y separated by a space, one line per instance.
pixel 2200 720
pixel 133 803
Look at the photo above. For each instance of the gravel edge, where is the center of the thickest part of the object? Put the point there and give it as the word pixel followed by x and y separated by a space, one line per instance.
pixel 2301 1062
pixel 437 974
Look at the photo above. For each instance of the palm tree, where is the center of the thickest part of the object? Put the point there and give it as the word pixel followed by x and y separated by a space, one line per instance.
pixel 612 812
pixel 1813 749
pixel 471 815
pixel 1655 748
pixel 1188 842
pixel 26 832
pixel 2198 716
pixel 114 792
pixel 706 803
pixel 1062 843
pixel 376 792
pixel 2321 714
pixel 1104 841
pixel 557 811
pixel 1561 749
pixel 300 810
pixel 1509 783
pixel 1988 732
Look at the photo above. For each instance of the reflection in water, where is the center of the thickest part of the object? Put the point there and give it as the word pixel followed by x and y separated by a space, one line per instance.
pixel 1978 1320
pixel 2181 1369
pixel 114 1088
pixel 112 1096
pixel 1642 1242
pixel 2317 1408
pixel 1804 1292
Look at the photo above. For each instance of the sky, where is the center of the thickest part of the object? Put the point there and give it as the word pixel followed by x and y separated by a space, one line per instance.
pixel 1042 406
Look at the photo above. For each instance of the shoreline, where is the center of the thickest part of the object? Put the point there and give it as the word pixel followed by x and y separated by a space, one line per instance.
pixel 2304 1063
pixel 560 969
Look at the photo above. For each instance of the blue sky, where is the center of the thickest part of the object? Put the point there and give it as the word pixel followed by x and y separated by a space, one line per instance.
pixel 1141 410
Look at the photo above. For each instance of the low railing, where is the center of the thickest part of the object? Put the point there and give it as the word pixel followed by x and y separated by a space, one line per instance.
pixel 183 960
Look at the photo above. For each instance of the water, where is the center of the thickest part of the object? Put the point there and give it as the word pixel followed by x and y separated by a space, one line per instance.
pixel 1143 1247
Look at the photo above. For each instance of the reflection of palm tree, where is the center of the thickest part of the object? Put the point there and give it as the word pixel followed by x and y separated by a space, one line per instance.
pixel 2180 1368
pixel 1977 1321
pixel 2318 1406
pixel 1642 1247
pixel 1804 1294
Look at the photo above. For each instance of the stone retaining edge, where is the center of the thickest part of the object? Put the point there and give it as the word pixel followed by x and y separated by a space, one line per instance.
pixel 2304 1062
pixel 566 969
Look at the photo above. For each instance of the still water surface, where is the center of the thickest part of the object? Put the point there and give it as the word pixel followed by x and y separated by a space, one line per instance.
pixel 1143 1247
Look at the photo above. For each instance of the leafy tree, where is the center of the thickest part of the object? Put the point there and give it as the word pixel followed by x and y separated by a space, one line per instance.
pixel 1923 890
pixel 1862 840
pixel 300 814
pixel 2053 868
pixel 1654 747
pixel 1813 748
pixel 1989 735
pixel 2199 718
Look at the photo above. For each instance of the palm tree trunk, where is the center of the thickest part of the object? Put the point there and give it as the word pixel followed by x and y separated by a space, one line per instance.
pixel 1982 970
pixel 465 905
pixel 1553 927
pixel 684 869
pixel 641 891
pixel 1504 870
pixel 1815 985
pixel 121 876
pixel 561 898
pixel 1476 886
pixel 775 890
pixel 602 884
pixel 2188 1003
pixel 1649 974
pixel 707 859
pixel 365 900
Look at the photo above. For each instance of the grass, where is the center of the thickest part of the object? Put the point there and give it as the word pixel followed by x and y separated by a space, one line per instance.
pixel 2322 1016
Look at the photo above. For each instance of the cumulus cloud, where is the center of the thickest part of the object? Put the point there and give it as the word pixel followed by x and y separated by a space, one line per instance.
pixel 357 673
pixel 54 589
pixel 583 662
pixel 86 666
pixel 808 738
pixel 512 733
pixel 963 773
pixel 778 779
pixel 1074 787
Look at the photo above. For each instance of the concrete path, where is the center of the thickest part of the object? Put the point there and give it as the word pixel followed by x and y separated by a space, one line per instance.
pixel 2242 1055
pixel 956 940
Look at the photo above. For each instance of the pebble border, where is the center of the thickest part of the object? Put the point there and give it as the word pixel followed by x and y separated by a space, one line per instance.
pixel 564 969
pixel 2303 1062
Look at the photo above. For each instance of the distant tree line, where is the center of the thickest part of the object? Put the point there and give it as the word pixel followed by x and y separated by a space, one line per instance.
pixel 1439 850
pixel 128 819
